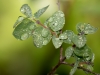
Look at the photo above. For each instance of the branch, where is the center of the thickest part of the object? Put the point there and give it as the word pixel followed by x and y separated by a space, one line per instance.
pixel 38 22
pixel 84 69
pixel 58 3
pixel 54 69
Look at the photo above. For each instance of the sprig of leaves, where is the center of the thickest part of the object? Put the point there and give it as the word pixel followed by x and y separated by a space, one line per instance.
pixel 28 26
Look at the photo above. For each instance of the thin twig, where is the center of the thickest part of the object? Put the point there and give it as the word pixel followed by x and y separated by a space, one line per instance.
pixel 58 3
pixel 84 69
pixel 62 59
pixel 54 69
pixel 61 53
pixel 61 49
pixel 38 22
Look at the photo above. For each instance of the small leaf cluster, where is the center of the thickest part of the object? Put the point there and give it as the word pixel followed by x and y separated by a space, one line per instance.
pixel 51 29
pixel 79 49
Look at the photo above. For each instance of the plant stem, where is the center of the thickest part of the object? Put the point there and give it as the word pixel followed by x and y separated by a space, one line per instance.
pixel 54 69
pixel 38 22
pixel 84 69
pixel 58 3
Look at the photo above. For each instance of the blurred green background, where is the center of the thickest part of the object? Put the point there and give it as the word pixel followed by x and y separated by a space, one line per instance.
pixel 22 57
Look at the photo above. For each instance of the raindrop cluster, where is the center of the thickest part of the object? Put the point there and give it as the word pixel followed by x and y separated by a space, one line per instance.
pixel 51 29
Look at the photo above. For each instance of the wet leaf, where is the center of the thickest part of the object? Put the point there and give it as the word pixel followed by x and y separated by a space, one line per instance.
pixel 86 28
pixel 69 52
pixel 63 35
pixel 70 35
pixel 90 29
pixel 56 21
pixel 26 10
pixel 79 40
pixel 24 29
pixel 40 12
pixel 41 36
pixel 84 52
pixel 37 37
pixel 56 42
pixel 89 67
pixel 80 27
pixel 93 57
pixel 73 70
pixel 19 20
pixel 45 32
pixel 47 39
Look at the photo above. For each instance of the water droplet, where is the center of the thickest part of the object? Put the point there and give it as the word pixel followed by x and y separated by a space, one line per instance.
pixel 29 33
pixel 31 27
pixel 62 15
pixel 80 37
pixel 62 36
pixel 24 36
pixel 51 19
pixel 23 30
pixel 45 42
pixel 55 24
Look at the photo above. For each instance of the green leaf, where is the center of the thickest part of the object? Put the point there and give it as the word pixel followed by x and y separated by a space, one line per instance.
pixel 92 57
pixel 90 29
pixel 19 20
pixel 73 70
pixel 57 21
pixel 41 36
pixel 84 52
pixel 40 12
pixel 45 32
pixel 89 67
pixel 80 27
pixel 23 30
pixel 70 35
pixel 56 42
pixel 46 40
pixel 46 36
pixel 79 40
pixel 37 37
pixel 63 35
pixel 69 52
pixel 26 10
pixel 86 28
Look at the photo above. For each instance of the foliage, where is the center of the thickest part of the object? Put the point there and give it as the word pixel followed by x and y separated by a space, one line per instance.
pixel 28 26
